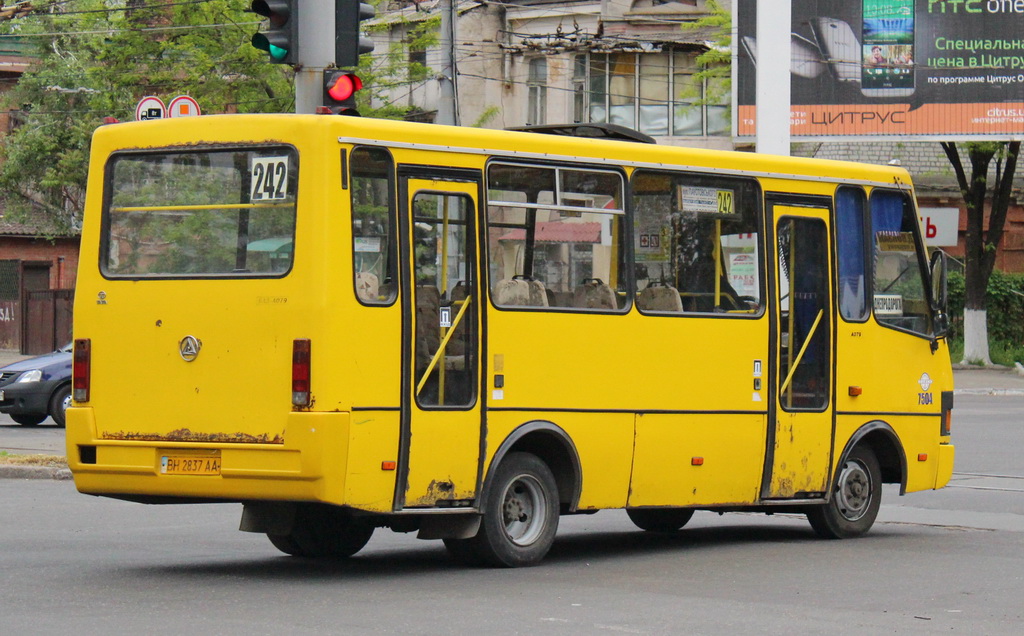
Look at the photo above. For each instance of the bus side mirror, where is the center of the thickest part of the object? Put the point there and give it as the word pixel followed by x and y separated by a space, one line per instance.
pixel 939 294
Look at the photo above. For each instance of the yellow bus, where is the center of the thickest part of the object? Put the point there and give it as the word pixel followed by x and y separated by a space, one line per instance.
pixel 348 324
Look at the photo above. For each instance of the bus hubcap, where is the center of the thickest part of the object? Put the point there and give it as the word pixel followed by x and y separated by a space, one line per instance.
pixel 523 511
pixel 854 491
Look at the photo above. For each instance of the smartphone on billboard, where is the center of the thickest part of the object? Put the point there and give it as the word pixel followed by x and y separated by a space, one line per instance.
pixel 887 47
pixel 836 39
pixel 805 60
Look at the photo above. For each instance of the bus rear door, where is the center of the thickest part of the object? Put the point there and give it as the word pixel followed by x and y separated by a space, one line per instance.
pixel 800 427
pixel 441 418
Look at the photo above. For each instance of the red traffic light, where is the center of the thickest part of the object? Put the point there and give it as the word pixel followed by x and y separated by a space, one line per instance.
pixel 343 86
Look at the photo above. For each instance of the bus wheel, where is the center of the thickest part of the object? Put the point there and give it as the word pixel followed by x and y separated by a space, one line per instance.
pixel 659 519
pixel 323 532
pixel 521 519
pixel 855 500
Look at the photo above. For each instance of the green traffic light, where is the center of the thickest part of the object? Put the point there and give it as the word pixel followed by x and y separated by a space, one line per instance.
pixel 261 42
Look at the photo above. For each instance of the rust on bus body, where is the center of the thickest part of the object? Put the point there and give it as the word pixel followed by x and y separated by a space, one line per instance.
pixel 186 435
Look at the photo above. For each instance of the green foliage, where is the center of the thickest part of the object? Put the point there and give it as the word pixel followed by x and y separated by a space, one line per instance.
pixel 716 62
pixel 1004 307
pixel 489 113
pixel 94 62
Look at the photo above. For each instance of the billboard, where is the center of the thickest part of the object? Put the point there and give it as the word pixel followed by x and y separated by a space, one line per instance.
pixel 921 69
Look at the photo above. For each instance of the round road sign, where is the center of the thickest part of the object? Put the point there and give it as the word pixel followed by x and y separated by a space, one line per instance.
pixel 183 106
pixel 149 108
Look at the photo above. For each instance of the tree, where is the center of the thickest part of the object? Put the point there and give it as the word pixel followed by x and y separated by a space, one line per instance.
pixel 94 61
pixel 715 63
pixel 981 243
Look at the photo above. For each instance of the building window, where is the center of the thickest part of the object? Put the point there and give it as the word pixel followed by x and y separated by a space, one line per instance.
pixel 537 83
pixel 417 63
pixel 655 93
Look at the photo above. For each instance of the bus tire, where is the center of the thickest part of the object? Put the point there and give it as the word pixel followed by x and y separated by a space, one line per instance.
pixel 659 519
pixel 519 524
pixel 855 499
pixel 464 551
pixel 323 532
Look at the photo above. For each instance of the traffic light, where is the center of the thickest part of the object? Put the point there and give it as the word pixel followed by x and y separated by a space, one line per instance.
pixel 349 41
pixel 340 89
pixel 281 40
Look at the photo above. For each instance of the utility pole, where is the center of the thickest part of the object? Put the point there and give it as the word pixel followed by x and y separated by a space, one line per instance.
pixel 316 28
pixel 446 110
pixel 773 77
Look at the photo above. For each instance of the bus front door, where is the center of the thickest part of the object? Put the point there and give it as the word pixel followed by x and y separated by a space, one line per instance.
pixel 441 419
pixel 800 431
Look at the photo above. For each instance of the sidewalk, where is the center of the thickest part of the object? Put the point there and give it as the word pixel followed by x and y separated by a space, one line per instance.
pixel 7 356
pixel 971 380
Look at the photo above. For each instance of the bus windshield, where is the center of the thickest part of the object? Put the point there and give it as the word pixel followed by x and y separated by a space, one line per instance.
pixel 201 213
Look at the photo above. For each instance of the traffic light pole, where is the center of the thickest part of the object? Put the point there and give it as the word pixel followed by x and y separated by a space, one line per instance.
pixel 316 30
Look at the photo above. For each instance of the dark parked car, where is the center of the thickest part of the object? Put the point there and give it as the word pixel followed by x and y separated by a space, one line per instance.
pixel 34 388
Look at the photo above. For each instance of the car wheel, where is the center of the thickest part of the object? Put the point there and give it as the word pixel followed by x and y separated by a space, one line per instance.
pixel 59 403
pixel 28 419
pixel 855 499
pixel 659 519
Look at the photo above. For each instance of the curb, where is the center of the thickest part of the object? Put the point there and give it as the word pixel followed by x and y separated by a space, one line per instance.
pixel 14 471
pixel 1000 392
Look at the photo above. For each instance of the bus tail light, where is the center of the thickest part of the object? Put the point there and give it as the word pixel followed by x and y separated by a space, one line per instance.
pixel 300 372
pixel 80 374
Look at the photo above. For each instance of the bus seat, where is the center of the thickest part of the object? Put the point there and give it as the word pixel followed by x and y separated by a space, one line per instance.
pixel 520 292
pixel 594 294
pixel 428 302
pixel 538 293
pixel 560 299
pixel 660 298
pixel 367 286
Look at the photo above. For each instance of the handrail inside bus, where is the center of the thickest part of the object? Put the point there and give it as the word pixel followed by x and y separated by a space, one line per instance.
pixel 554 206
pixel 803 349
pixel 443 345
pixel 206 206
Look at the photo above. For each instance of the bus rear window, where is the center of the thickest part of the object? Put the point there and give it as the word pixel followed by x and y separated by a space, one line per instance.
pixel 202 213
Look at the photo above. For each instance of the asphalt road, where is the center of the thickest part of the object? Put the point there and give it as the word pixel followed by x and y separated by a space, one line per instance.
pixel 949 561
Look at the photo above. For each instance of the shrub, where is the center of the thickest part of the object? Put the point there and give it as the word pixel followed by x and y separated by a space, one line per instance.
pixel 1004 300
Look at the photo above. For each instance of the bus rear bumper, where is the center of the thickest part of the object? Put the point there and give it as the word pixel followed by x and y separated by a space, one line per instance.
pixel 944 471
pixel 137 470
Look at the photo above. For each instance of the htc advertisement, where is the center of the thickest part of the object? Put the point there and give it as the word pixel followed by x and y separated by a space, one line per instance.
pixel 875 68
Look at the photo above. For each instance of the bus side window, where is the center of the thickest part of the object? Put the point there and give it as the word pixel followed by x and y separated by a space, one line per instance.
pixel 555 237
pixel 852 252
pixel 373 229
pixel 696 244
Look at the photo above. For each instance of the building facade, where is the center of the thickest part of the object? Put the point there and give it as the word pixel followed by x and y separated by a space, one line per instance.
pixel 532 62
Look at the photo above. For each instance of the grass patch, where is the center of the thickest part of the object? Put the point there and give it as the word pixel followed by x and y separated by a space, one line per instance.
pixel 54 461
pixel 1004 353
